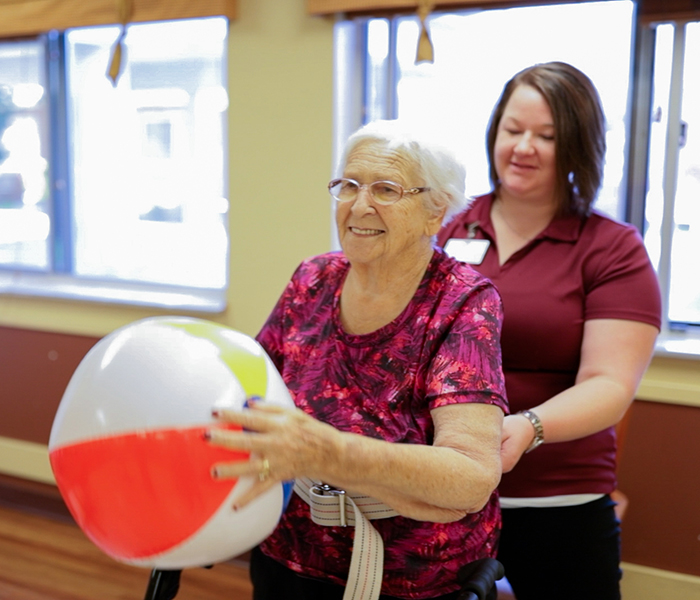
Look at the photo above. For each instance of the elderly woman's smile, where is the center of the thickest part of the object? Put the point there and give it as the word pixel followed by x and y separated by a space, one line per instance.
pixel 360 231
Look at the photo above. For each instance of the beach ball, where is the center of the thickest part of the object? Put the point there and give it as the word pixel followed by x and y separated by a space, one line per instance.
pixel 127 447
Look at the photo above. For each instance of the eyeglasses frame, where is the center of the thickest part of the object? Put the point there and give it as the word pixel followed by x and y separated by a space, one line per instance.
pixel 360 186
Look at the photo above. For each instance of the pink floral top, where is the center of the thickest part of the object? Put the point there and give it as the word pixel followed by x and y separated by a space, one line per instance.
pixel 444 348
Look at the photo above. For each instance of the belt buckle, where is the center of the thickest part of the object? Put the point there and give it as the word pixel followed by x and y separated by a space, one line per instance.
pixel 324 489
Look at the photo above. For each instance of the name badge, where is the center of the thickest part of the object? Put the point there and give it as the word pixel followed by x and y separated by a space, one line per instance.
pixel 468 251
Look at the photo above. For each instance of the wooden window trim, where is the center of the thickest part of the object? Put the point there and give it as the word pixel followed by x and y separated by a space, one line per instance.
pixel 649 10
pixel 328 7
pixel 666 10
pixel 31 17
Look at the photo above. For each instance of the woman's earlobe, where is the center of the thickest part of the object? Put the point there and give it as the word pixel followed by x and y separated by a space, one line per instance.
pixel 434 223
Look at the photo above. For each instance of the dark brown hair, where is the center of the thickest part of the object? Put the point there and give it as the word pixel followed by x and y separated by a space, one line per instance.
pixel 579 136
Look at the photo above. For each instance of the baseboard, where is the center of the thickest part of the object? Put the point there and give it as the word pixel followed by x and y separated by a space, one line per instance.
pixel 646 583
pixel 26 480
pixel 27 460
pixel 33 496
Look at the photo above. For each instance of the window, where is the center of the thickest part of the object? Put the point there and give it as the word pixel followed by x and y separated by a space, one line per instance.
pixel 454 96
pixel 673 198
pixel 24 193
pixel 119 192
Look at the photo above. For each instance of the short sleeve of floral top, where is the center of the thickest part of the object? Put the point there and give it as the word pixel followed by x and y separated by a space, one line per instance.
pixel 444 348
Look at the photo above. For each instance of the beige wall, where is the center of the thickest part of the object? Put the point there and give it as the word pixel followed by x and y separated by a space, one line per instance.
pixel 280 142
pixel 281 67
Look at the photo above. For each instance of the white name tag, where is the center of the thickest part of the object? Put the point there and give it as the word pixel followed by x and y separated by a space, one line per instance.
pixel 468 251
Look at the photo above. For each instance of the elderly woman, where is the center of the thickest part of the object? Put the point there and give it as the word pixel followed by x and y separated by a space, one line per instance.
pixel 391 353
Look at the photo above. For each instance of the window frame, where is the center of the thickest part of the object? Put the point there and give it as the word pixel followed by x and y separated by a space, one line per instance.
pixel 674 340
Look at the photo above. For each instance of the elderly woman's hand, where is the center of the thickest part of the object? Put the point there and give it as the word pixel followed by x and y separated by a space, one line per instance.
pixel 284 443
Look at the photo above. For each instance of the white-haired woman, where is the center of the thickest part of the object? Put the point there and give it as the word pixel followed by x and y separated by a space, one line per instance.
pixel 391 352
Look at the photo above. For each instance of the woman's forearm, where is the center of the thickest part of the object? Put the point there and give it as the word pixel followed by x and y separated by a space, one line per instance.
pixel 420 482
pixel 614 356
pixel 441 482
pixel 454 476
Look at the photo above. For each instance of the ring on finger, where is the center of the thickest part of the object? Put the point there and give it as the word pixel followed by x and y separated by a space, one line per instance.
pixel 265 470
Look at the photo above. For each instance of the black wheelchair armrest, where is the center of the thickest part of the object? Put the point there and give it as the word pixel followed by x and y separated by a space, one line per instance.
pixel 478 579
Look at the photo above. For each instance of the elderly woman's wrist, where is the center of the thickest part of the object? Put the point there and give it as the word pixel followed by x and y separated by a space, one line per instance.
pixel 334 457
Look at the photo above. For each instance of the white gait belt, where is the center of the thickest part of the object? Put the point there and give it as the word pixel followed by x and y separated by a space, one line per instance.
pixel 332 507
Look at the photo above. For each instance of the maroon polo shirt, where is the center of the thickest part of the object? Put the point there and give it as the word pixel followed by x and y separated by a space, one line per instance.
pixel 574 270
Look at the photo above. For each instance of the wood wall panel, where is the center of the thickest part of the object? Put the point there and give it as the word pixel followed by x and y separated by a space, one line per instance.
pixel 658 459
pixel 658 471
pixel 35 368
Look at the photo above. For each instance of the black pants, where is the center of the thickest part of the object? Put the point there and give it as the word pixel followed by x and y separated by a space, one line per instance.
pixel 273 581
pixel 562 553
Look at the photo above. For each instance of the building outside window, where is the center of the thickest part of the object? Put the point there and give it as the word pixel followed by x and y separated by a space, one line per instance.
pixel 116 193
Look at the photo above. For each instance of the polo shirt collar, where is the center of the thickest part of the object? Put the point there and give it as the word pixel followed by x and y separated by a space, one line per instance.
pixel 563 229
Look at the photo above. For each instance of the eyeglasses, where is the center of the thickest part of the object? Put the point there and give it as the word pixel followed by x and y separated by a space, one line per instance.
pixel 384 192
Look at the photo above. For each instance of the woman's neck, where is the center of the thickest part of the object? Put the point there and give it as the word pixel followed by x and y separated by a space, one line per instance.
pixel 525 218
pixel 374 295
pixel 517 222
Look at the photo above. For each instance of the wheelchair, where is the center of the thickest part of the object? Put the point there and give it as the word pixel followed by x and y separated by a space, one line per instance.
pixel 477 580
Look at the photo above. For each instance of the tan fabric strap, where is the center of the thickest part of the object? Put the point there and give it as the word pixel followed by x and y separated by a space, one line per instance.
pixel 333 507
